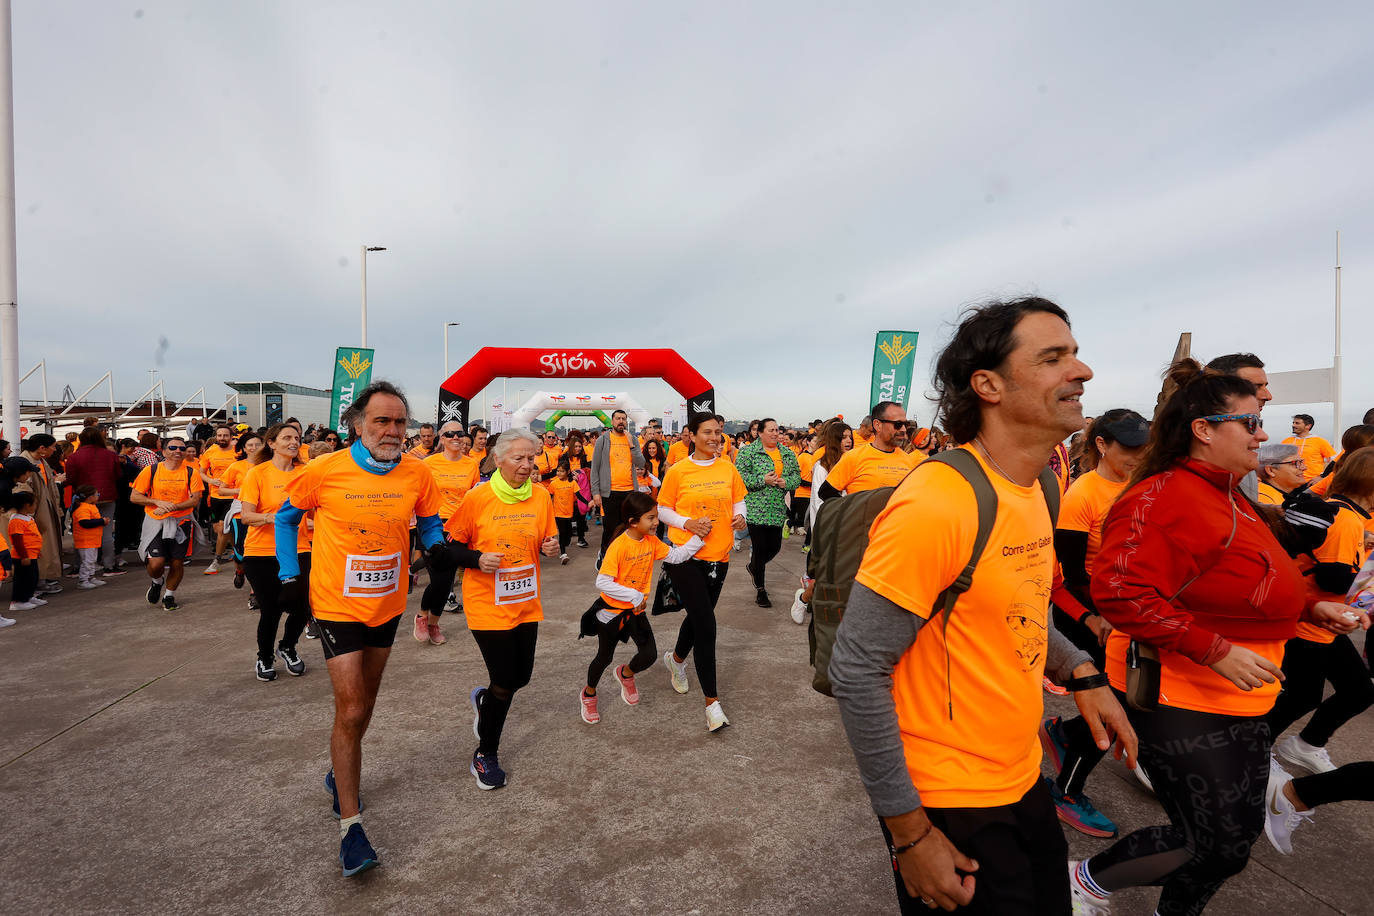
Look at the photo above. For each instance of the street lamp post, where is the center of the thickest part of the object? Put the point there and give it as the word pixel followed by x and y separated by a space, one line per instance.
pixel 365 250
pixel 447 325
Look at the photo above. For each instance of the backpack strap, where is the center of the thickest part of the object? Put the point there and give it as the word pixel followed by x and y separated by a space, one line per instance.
pixel 971 470
pixel 1049 484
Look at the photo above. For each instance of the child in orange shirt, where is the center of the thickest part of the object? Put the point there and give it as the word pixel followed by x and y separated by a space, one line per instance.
pixel 87 529
pixel 25 544
pixel 618 612
pixel 563 489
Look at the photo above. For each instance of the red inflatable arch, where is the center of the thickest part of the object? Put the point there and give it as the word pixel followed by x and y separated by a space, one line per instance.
pixel 488 363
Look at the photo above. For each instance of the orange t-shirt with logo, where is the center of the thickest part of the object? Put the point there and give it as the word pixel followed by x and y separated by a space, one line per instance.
pixel 631 564
pixel 563 493
pixel 157 482
pixel 216 461
pixel 1344 544
pixel 83 538
pixel 676 452
pixel 1314 451
pixel 987 754
pixel 1085 508
pixel 33 538
pixel 264 487
pixel 867 467
pixel 361 546
pixel 621 461
pixel 704 491
pixel 509 597
pixel 454 479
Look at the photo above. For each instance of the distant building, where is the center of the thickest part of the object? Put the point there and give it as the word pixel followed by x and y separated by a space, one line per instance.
pixel 267 403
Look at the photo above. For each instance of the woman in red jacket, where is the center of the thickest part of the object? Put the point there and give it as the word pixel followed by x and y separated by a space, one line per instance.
pixel 1189 567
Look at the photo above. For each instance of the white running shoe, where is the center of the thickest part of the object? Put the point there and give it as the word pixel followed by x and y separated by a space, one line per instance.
pixel 91 583
pixel 798 607
pixel 1144 777
pixel 676 673
pixel 6 622
pixel 1085 901
pixel 213 568
pixel 36 601
pixel 715 717
pixel 451 604
pixel 563 559
pixel 1293 750
pixel 22 605
pixel 1281 817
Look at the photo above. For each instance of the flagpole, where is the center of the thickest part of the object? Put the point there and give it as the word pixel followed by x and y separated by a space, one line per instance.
pixel 1336 430
pixel 9 283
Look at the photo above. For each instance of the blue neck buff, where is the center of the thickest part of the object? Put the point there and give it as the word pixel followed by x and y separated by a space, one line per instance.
pixel 363 458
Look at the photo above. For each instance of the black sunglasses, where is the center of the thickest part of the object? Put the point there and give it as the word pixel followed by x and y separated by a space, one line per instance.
pixel 452 435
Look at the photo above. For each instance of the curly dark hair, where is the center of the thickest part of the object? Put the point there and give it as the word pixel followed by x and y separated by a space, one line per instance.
pixel 984 339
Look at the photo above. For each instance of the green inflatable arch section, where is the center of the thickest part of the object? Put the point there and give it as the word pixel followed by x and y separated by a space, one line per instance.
pixel 557 415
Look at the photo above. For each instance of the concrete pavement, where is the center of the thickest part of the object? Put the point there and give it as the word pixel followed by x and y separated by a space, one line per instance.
pixel 143 768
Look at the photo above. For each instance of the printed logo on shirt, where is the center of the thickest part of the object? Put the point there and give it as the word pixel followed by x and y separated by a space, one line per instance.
pixel 1026 619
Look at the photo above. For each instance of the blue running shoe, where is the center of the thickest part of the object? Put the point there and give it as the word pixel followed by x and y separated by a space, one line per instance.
pixel 356 853
pixel 1053 741
pixel 1078 812
pixel 488 771
pixel 334 791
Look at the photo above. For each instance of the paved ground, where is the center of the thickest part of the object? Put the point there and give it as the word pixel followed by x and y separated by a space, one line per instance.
pixel 143 768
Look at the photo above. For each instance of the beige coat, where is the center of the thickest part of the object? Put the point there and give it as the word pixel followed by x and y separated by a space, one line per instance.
pixel 47 515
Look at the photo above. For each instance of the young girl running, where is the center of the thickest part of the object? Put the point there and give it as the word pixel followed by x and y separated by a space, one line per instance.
pixel 624 579
pixel 563 491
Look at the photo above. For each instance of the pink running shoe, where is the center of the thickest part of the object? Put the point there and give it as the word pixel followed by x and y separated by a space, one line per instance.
pixel 421 628
pixel 436 638
pixel 589 713
pixel 1053 688
pixel 629 692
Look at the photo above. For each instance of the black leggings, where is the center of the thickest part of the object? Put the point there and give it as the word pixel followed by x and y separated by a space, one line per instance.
pixel 509 656
pixel 1210 772
pixel 25 581
pixel 1307 666
pixel 796 511
pixel 1352 782
pixel 1082 753
pixel 767 541
pixel 436 593
pixel 608 634
pixel 610 519
pixel 262 573
pixel 698 584
pixel 565 533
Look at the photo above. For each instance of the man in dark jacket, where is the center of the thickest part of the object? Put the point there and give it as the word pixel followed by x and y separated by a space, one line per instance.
pixel 95 464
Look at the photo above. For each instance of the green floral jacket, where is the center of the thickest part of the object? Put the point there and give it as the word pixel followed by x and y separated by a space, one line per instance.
pixel 765 504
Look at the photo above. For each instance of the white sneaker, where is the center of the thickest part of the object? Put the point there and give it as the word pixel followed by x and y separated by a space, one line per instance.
pixel 22 605
pixel 1144 777
pixel 1281 817
pixel 213 568
pixel 1085 901
pixel 6 622
pixel 798 607
pixel 89 583
pixel 36 601
pixel 1293 750
pixel 715 717
pixel 451 604
pixel 676 673
pixel 563 559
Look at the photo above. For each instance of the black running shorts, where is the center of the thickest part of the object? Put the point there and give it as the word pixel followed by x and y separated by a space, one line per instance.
pixel 340 637
pixel 219 508
pixel 167 548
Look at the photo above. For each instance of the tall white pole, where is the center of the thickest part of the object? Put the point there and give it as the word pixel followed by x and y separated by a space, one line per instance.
pixel 446 327
pixel 363 249
pixel 9 267
pixel 1336 429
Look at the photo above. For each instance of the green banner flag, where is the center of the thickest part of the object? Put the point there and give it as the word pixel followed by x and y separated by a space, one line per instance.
pixel 352 373
pixel 893 360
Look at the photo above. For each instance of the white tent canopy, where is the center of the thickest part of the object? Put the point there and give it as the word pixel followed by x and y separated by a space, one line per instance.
pixel 545 401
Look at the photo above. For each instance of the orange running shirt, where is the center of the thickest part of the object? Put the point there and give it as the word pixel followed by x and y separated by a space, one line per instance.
pixel 631 564
pixel 510 596
pixel 454 479
pixel 676 453
pixel 777 459
pixel 477 456
pixel 563 493
pixel 1085 508
pixel 85 537
pixel 233 475
pixel 33 538
pixel 805 462
pixel 215 462
pixel 1269 495
pixel 621 461
pixel 264 486
pixel 546 462
pixel 1344 544
pixel 1314 451
pixel 157 482
pixel 4 545
pixel 362 535
pixel 987 754
pixel 867 467
pixel 704 491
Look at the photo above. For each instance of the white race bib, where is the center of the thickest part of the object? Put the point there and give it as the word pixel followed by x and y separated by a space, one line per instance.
pixel 368 576
pixel 515 584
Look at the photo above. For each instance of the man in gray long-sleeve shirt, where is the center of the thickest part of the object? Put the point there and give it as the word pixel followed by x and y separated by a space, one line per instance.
pixel 942 715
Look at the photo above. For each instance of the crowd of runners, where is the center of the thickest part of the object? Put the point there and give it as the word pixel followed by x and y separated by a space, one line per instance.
pixel 1191 582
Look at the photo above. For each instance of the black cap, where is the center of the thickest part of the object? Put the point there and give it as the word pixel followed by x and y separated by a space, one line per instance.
pixel 1132 430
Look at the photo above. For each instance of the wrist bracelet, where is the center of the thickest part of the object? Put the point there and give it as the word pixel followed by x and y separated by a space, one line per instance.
pixel 1091 682
pixel 898 850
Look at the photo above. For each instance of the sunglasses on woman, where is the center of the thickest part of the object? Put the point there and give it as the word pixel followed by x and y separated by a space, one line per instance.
pixel 1251 420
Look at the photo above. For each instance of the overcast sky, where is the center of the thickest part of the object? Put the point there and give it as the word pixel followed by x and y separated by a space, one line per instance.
pixel 761 186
